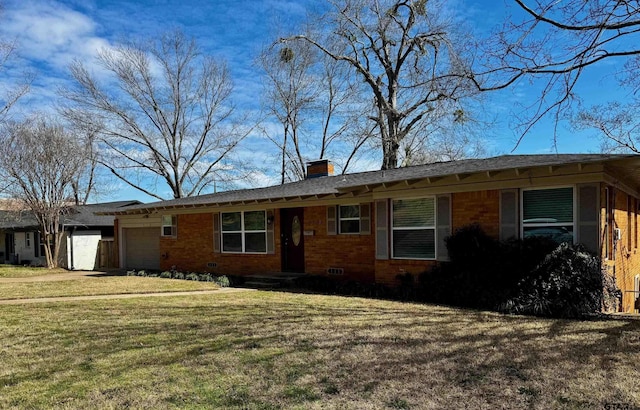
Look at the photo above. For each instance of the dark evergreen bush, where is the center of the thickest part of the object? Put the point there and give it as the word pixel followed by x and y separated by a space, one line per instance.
pixel 568 283
pixel 482 272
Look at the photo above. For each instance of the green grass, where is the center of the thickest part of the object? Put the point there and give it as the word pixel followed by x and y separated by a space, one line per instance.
pixel 272 350
pixel 11 271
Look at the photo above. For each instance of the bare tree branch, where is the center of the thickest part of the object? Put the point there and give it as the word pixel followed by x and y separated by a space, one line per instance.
pixel 405 53
pixel 170 117
pixel 43 164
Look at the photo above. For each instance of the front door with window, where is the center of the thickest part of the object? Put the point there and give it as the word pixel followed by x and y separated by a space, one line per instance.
pixel 292 239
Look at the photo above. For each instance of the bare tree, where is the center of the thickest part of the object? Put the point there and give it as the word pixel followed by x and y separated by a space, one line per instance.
pixel 41 161
pixel 316 103
pixel 9 96
pixel 169 116
pixel 617 125
pixel 554 43
pixel 407 56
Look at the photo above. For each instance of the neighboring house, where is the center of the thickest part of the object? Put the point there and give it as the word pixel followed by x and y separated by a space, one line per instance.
pixel 87 240
pixel 372 226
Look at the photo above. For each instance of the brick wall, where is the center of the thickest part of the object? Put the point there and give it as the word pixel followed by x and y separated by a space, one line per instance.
pixel 192 250
pixel 482 207
pixel 354 253
pixel 624 258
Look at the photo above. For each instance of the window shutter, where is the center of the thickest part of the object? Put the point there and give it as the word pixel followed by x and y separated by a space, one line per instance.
pixel 443 226
pixel 271 248
pixel 216 233
pixel 509 214
pixel 588 216
pixel 382 235
pixel 331 220
pixel 365 219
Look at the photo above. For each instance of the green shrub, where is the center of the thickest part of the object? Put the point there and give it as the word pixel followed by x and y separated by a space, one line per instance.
pixel 177 275
pixel 205 277
pixel 221 281
pixel 569 283
pixel 165 275
pixel 141 273
pixel 192 276
pixel 131 273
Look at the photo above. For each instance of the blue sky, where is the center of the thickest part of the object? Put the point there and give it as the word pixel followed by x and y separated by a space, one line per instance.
pixel 51 34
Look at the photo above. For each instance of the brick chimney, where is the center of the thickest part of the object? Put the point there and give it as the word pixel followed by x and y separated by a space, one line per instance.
pixel 320 168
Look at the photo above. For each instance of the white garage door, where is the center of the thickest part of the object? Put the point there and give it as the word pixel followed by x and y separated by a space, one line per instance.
pixel 142 248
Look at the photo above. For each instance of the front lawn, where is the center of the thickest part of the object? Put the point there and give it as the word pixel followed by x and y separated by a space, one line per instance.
pixel 13 271
pixel 270 350
pixel 102 285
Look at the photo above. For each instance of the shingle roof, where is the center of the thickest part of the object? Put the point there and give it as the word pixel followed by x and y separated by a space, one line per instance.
pixel 80 216
pixel 341 183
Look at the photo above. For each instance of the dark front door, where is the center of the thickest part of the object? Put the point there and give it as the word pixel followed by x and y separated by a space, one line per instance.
pixel 292 232
pixel 9 248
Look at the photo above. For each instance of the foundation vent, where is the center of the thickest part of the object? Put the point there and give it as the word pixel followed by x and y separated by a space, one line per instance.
pixel 212 265
pixel 335 271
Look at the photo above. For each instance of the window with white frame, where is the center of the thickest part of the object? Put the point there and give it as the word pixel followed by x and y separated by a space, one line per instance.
pixel 414 228
pixel 349 219
pixel 169 225
pixel 244 232
pixel 548 212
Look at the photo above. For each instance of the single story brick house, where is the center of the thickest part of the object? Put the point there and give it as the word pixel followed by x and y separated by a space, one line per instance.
pixel 371 226
pixel 88 240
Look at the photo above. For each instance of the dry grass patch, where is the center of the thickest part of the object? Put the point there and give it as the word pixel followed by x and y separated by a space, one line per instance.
pixel 11 271
pixel 270 350
pixel 99 285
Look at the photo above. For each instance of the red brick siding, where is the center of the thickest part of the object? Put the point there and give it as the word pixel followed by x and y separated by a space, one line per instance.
pixel 354 253
pixel 625 261
pixel 482 207
pixel 192 249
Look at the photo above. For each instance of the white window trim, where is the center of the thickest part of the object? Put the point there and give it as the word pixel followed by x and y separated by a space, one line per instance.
pixel 174 226
pixel 574 229
pixel 434 227
pixel 339 219
pixel 242 233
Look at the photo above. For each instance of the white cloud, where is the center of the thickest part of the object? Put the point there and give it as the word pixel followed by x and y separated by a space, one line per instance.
pixel 51 33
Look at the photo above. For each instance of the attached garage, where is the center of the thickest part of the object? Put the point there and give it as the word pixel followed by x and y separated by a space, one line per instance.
pixel 142 248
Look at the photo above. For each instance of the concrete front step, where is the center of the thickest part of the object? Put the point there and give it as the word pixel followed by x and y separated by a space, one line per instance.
pixel 273 280
pixel 262 284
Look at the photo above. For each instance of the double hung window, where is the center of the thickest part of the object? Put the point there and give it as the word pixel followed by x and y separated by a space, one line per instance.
pixel 414 228
pixel 169 225
pixel 244 232
pixel 548 212
pixel 349 217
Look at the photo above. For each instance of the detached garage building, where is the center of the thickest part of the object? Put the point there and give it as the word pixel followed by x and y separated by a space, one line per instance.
pixel 88 240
